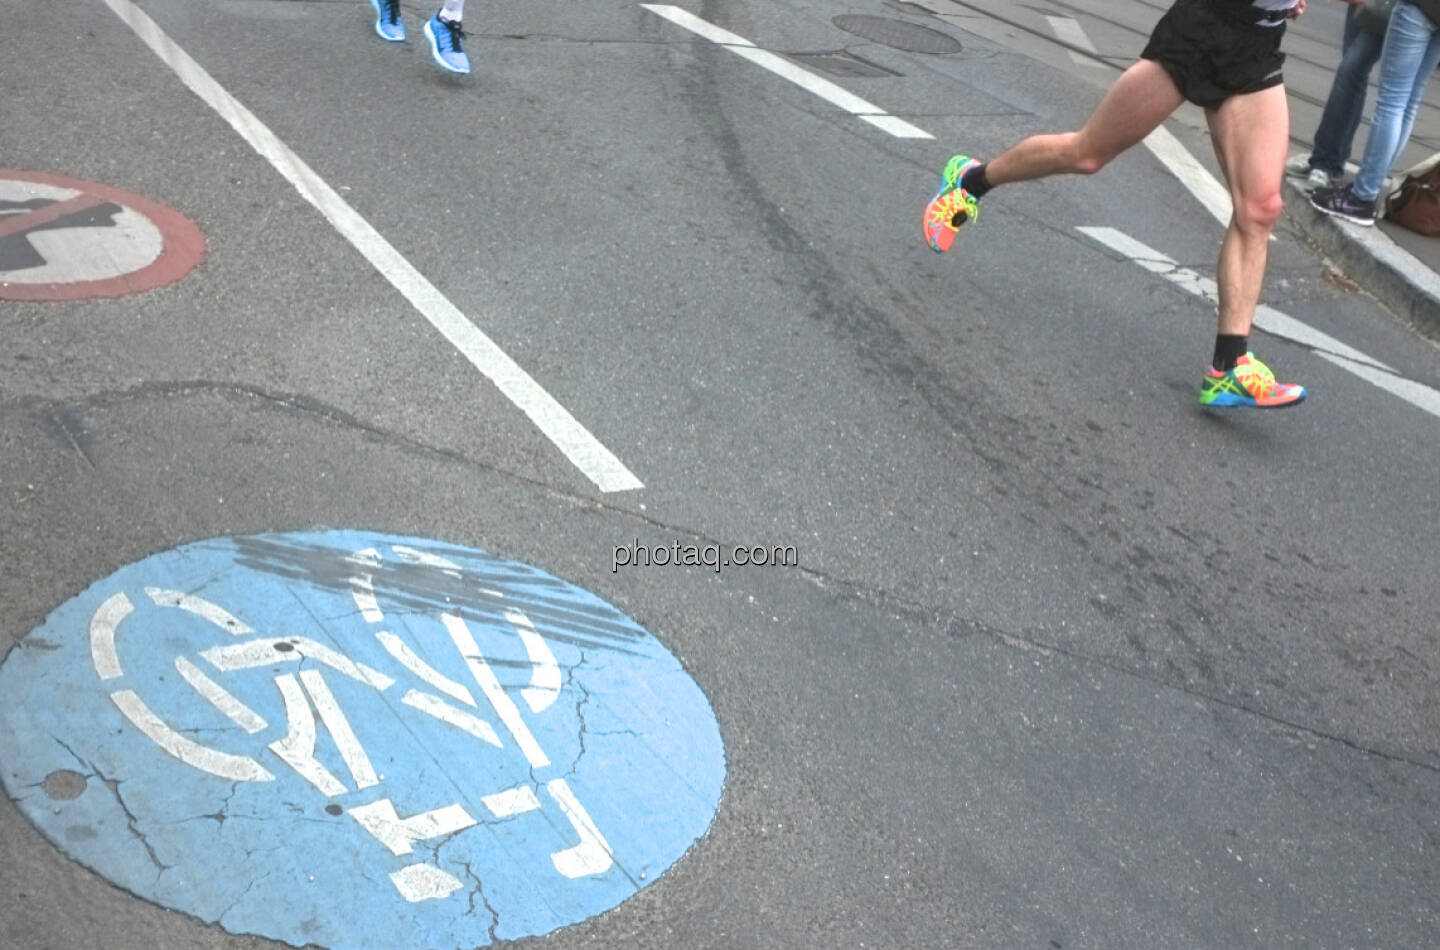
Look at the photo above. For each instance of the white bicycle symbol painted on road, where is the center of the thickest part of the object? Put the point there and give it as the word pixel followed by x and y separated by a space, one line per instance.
pixel 306 693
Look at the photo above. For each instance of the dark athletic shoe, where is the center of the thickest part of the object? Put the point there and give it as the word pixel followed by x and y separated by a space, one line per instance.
pixel 1342 203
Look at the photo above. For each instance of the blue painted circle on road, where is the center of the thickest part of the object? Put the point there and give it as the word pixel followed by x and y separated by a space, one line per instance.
pixel 358 741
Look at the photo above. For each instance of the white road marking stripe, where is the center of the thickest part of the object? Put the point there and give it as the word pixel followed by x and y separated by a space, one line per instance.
pixel 512 802
pixel 433 705
pixel 352 753
pixel 270 651
pixel 297 749
pixel 236 768
pixel 1273 321
pixel 508 712
pixel 592 855
pixel 200 607
pixel 559 426
pixel 824 88
pixel 102 635
pixel 400 834
pixel 408 658
pixel 544 686
pixel 424 882
pixel 1069 31
pixel 220 697
pixel 1213 196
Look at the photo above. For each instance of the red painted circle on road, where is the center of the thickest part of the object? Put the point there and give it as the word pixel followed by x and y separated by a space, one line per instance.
pixel 180 244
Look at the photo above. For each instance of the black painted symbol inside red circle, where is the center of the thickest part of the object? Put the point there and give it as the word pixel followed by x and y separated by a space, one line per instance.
pixel 92 226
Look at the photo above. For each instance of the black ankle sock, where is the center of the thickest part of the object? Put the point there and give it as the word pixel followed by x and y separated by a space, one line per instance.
pixel 1229 347
pixel 975 183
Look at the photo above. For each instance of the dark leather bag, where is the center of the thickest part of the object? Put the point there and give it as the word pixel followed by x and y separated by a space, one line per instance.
pixel 1416 203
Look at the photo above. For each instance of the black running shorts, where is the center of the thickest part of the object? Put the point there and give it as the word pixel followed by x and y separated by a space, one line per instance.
pixel 1214 49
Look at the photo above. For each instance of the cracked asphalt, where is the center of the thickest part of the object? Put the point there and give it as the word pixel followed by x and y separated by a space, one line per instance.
pixel 1066 662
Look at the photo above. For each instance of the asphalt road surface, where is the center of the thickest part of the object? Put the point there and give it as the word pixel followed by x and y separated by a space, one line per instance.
pixel 1063 662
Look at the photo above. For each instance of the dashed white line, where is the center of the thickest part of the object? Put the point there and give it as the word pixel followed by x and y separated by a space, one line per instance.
pixel 554 420
pixel 1273 321
pixel 1068 30
pixel 824 88
pixel 1213 196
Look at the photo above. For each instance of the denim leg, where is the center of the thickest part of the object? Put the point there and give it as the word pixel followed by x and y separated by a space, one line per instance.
pixel 1346 102
pixel 1411 51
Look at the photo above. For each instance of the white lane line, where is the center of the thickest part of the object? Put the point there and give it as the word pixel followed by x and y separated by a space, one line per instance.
pixel 554 420
pixel 1070 32
pixel 1213 196
pixel 824 88
pixel 1273 321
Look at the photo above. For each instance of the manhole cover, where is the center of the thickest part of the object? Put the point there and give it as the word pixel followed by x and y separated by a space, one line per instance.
pixel 841 63
pixel 898 34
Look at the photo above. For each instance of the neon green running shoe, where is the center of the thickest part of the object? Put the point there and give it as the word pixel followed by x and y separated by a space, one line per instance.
pixel 951 207
pixel 1250 384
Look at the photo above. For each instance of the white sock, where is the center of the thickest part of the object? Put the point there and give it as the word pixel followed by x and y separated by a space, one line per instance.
pixel 453 10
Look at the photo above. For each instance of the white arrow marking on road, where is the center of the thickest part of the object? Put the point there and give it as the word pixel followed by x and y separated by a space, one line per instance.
pixel 1273 321
pixel 554 420
pixel 824 88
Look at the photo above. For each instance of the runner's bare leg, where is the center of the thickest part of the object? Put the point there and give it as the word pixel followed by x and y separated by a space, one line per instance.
pixel 1142 98
pixel 1252 135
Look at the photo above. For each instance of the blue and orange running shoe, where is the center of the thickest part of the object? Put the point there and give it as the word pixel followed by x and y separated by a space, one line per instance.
pixel 1250 384
pixel 951 207
pixel 388 25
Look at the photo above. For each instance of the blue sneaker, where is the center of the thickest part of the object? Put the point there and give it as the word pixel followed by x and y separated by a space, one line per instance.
pixel 387 20
pixel 446 44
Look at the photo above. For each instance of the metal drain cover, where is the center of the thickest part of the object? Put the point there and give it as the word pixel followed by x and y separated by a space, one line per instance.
pixel 898 34
pixel 843 63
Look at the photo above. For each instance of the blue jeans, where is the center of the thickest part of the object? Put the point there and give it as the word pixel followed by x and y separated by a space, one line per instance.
pixel 1411 52
pixel 1359 49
